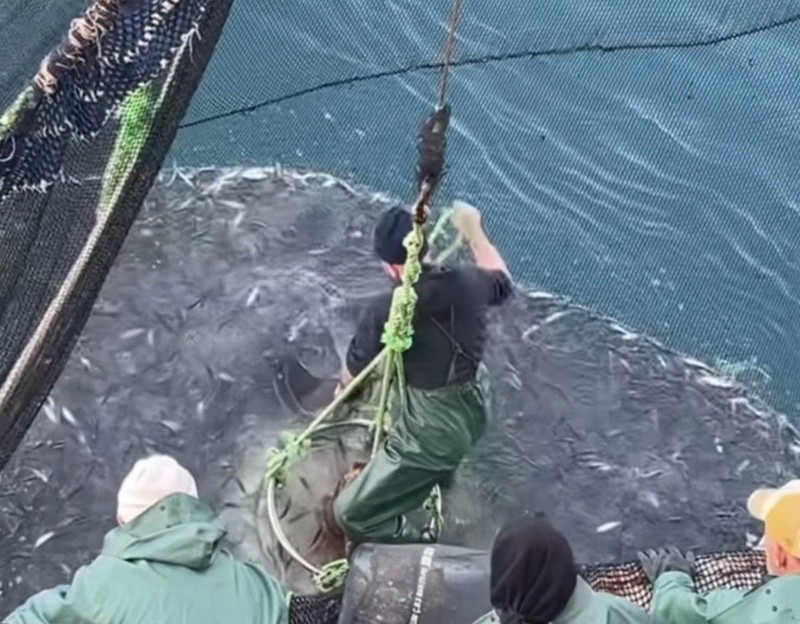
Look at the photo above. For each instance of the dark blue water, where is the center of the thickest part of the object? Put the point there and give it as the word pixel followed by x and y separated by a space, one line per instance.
pixel 658 186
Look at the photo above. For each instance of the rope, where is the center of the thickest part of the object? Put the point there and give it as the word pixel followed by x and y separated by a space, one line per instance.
pixel 398 331
pixel 438 230
pixel 272 513
pixel 449 51
pixel 297 446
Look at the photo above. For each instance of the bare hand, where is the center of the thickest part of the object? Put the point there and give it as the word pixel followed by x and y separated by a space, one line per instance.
pixel 466 218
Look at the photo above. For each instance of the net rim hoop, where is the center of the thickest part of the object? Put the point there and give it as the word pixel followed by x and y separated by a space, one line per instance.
pixel 272 514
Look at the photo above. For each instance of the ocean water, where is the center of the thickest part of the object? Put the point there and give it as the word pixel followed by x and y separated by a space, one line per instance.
pixel 637 156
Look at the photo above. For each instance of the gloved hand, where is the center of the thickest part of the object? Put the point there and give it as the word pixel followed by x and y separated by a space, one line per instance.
pixel 666 560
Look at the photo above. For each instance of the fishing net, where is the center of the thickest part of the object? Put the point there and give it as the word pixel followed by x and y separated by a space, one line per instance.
pixel 66 128
pixel 79 149
pixel 321 117
pixel 314 610
pixel 81 145
pixel 735 570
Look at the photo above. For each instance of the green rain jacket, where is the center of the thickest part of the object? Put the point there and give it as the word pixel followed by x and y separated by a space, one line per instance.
pixel 165 567
pixel 590 607
pixel 676 602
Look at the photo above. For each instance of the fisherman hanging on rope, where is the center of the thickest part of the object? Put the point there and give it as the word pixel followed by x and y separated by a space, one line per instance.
pixel 443 407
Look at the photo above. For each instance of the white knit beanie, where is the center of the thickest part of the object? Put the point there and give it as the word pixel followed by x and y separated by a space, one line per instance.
pixel 150 480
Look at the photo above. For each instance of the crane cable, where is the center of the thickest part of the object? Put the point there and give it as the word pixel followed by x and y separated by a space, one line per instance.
pixel 449 52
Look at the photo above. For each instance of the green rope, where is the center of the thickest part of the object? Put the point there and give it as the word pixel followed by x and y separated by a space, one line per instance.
pixel 398 332
pixel 438 231
pixel 25 101
pixel 332 576
pixel 380 424
pixel 441 224
pixel 450 250
pixel 294 448
pixel 136 118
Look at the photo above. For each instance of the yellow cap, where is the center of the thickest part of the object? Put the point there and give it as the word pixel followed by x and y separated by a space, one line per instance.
pixel 779 509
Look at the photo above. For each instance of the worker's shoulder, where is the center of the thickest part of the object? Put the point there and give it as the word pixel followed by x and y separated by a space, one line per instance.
pixel 777 597
pixel 618 609
pixel 491 287
pixel 782 584
pixel 464 275
pixel 258 579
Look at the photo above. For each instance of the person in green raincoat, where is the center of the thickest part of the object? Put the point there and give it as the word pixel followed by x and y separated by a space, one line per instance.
pixel 775 601
pixel 443 409
pixel 162 564
pixel 534 580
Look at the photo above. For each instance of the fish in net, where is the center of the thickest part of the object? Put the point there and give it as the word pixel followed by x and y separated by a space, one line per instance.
pixel 50 211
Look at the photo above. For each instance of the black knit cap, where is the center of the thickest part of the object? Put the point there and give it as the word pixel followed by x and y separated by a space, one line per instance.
pixel 392 229
pixel 533 573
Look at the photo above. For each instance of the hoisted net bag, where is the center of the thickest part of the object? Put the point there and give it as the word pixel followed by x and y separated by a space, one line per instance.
pixel 79 150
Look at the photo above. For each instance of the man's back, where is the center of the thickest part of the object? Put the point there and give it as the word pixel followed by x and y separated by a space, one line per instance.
pixel 449 326
pixel 676 602
pixel 611 609
pixel 165 567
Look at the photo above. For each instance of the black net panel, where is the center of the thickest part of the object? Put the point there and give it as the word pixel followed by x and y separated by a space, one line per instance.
pixel 79 150
pixel 369 48
pixel 314 610
pixel 737 570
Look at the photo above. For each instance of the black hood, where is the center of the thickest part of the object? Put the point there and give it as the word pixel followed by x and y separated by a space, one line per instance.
pixel 533 573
